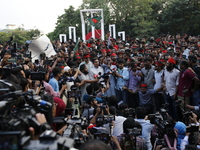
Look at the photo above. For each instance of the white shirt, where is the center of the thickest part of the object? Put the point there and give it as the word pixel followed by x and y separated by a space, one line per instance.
pixel 171 81
pixel 146 131
pixel 89 65
pixel 158 79
pixel 118 125
pixel 95 71
pixel 83 87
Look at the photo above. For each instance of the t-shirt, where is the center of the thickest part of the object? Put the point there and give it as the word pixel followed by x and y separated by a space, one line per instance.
pixel 185 82
pixel 145 98
pixel 54 83
pixel 118 125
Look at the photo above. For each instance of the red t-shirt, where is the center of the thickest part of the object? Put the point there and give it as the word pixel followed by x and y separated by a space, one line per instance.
pixel 185 82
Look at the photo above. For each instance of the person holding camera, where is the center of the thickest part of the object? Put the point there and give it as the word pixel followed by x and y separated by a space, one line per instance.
pixel 122 76
pixel 57 73
pixel 146 125
pixel 132 129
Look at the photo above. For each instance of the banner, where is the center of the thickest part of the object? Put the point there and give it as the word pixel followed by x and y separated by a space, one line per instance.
pixel 41 45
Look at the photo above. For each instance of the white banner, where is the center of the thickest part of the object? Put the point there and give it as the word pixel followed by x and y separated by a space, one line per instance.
pixel 41 45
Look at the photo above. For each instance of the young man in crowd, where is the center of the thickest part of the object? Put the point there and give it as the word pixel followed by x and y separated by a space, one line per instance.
pixel 122 75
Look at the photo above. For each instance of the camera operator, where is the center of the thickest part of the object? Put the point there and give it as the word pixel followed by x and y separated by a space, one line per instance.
pixel 88 107
pixel 133 141
pixel 192 135
pixel 57 73
pixel 146 125
pixel 118 123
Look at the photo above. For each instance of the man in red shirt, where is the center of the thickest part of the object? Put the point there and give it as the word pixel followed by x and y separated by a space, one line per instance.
pixel 188 83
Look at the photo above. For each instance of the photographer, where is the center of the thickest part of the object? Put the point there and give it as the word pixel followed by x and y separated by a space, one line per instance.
pixel 118 123
pixel 192 135
pixel 88 108
pixel 146 125
pixel 132 140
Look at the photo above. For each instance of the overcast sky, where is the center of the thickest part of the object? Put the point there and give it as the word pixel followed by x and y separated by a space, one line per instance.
pixel 40 14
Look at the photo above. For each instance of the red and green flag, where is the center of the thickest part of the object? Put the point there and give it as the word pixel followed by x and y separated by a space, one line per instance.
pixel 93 21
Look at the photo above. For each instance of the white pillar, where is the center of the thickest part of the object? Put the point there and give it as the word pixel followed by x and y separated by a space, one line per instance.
pixel 93 29
pixel 102 26
pixel 74 33
pixel 91 11
pixel 122 33
pixel 112 30
pixel 62 35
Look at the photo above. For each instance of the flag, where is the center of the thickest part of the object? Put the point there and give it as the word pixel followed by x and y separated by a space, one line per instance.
pixel 93 21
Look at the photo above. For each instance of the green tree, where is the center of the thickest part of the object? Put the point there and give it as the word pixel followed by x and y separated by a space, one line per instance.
pixel 181 17
pixel 71 17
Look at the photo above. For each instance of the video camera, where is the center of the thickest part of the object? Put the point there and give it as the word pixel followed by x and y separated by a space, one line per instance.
pixel 160 120
pixel 74 130
pixel 17 114
pixel 105 119
pixel 129 112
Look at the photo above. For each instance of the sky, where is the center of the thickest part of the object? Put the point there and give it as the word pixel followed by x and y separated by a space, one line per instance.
pixel 34 14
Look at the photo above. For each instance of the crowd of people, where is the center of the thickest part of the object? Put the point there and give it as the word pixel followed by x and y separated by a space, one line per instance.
pixel 130 79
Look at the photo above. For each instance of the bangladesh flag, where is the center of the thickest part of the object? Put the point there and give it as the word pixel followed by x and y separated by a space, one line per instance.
pixel 93 21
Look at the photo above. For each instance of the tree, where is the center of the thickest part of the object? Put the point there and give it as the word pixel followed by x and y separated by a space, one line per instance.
pixel 71 17
pixel 181 17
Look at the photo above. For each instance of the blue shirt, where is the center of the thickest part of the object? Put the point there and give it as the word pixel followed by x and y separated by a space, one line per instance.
pixel 146 97
pixel 54 83
pixel 122 81
pixel 146 131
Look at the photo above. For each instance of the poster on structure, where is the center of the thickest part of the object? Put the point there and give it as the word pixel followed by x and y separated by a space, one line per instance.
pixel 41 45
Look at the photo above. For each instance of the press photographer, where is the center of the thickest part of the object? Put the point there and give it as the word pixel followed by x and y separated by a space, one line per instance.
pixel 21 120
pixel 166 134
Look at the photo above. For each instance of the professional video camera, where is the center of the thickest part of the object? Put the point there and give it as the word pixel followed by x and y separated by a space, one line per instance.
pixel 160 120
pixel 105 119
pixel 74 130
pixel 17 114
pixel 129 112
pixel 130 137
pixel 163 125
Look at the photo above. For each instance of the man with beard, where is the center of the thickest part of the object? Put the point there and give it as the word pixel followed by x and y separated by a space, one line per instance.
pixel 188 83
pixel 85 80
pixel 148 73
pixel 193 64
pixel 171 78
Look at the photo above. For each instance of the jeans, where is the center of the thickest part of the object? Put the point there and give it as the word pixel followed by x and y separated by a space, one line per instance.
pixel 171 105
pixel 195 98
pixel 121 95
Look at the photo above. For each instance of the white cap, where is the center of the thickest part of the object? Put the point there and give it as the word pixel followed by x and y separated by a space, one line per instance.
pixel 66 68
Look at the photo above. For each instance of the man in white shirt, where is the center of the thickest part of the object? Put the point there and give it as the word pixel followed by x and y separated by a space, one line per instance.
pixel 158 77
pixel 118 123
pixel 171 78
pixel 87 62
pixel 96 70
